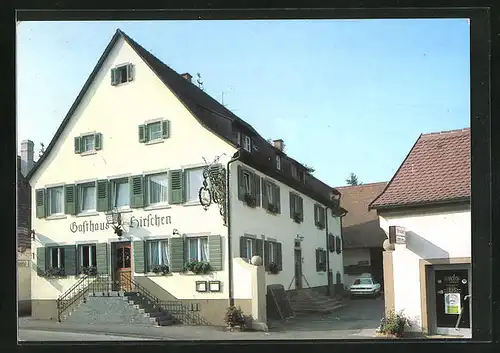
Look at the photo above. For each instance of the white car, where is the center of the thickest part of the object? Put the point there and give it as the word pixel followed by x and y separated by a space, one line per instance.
pixel 365 286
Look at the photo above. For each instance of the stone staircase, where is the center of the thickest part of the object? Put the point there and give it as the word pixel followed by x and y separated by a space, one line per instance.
pixel 112 307
pixel 310 301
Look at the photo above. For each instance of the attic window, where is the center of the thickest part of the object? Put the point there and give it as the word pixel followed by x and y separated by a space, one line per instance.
pixel 278 162
pixel 247 143
pixel 121 74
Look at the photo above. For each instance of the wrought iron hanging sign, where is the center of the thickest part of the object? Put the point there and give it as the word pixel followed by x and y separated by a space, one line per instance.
pixel 213 189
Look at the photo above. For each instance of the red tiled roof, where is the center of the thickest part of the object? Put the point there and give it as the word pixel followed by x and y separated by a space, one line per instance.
pixel 437 169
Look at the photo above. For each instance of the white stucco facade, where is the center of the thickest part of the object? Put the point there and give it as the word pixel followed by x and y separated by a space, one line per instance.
pixel 282 228
pixel 434 234
pixel 115 112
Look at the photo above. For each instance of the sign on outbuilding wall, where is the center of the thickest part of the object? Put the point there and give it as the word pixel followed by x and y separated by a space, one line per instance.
pixel 397 235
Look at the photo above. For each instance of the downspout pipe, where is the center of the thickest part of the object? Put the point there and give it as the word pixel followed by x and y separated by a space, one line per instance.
pixel 329 278
pixel 235 157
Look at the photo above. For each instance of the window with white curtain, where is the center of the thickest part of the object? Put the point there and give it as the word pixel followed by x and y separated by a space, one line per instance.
pixel 158 189
pixel 198 249
pixel 120 194
pixel 87 197
pixel 249 248
pixel 158 253
pixel 272 252
pixel 56 201
pixel 194 181
pixel 87 255
pixel 56 257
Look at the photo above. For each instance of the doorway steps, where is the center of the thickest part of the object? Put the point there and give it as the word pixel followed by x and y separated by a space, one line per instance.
pixel 113 307
pixel 308 300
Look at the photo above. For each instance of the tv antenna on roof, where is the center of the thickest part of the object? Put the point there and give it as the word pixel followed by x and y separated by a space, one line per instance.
pixel 199 81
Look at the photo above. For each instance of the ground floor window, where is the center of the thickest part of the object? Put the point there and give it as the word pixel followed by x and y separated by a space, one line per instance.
pixel 158 253
pixel 198 249
pixel 56 257
pixel 87 255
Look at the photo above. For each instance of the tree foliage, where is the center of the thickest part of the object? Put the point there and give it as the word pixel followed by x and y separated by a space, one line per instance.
pixel 353 180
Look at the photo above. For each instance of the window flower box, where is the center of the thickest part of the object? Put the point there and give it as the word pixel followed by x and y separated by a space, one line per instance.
pixel 198 267
pixel 297 217
pixel 160 269
pixel 272 208
pixel 55 272
pixel 89 270
pixel 273 268
pixel 250 200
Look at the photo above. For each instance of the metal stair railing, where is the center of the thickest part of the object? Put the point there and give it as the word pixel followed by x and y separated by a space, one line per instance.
pixel 176 308
pixel 74 294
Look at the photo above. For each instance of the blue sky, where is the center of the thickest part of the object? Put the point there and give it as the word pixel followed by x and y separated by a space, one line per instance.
pixel 345 96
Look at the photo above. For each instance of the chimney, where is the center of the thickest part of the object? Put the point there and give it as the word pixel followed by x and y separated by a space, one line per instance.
pixel 279 144
pixel 27 155
pixel 187 76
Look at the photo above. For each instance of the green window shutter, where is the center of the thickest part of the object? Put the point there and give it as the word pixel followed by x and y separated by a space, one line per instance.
pixel 323 218
pixel 241 184
pixel 70 199
pixel 176 254
pixel 256 189
pixel 139 258
pixel 215 252
pixel 136 191
pixel 277 199
pixel 130 72
pixel 102 195
pixel 279 256
pixel 142 133
pixel 70 260
pixel 317 260
pixel 266 254
pixel 301 208
pixel 165 128
pixel 259 248
pixel 78 147
pixel 98 141
pixel 316 222
pixel 146 191
pixel 176 187
pixel 41 263
pixel 292 205
pixel 40 202
pixel 338 245
pixel 243 247
pixel 331 242
pixel 265 197
pixel 113 77
pixel 102 258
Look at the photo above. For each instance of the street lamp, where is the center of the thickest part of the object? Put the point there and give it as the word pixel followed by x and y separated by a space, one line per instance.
pixel 114 219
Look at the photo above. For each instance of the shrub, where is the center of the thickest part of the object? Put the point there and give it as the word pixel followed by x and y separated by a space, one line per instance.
pixel 297 217
pixel 272 208
pixel 234 317
pixel 250 200
pixel 394 324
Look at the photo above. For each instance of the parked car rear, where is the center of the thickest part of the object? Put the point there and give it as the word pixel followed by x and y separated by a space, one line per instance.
pixel 365 286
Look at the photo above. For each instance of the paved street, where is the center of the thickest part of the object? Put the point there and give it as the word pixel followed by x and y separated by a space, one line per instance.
pixel 37 335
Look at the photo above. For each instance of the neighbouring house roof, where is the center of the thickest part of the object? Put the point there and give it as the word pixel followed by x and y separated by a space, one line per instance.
pixel 213 116
pixel 436 171
pixel 360 227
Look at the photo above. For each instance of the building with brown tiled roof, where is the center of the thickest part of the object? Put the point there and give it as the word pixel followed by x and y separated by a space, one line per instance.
pixel 362 237
pixel 425 212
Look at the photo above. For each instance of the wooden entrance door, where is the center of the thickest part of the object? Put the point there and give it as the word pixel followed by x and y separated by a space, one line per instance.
pixel 123 267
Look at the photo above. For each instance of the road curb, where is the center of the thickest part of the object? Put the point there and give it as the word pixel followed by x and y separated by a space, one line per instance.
pixel 94 332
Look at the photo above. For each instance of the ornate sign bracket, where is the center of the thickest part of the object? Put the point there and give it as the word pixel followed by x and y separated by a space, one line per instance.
pixel 213 189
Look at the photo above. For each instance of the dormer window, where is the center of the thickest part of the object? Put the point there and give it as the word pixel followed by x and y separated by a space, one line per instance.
pixel 121 74
pixel 278 162
pixel 247 143
pixel 294 171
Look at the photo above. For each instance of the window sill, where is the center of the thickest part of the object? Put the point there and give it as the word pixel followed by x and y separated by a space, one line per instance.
pixel 157 207
pixel 56 217
pixel 122 210
pixel 272 213
pixel 88 153
pixel 189 273
pixel 88 214
pixel 192 203
pixel 154 142
pixel 152 274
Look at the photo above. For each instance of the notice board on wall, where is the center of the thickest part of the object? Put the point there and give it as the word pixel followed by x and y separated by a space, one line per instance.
pixel 280 300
